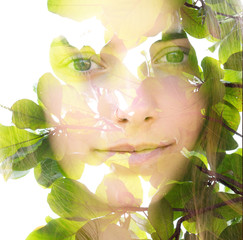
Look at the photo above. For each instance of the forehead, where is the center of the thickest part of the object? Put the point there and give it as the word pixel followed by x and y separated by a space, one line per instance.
pixel 151 46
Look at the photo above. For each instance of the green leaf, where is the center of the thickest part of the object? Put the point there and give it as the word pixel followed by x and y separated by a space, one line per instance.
pixel 209 220
pixel 193 155
pixel 8 165
pixel 190 227
pixel 71 199
pixel 59 229
pixel 211 65
pixel 188 236
pixel 232 232
pixel 234 97
pixel 12 139
pixel 155 236
pixel 192 22
pixel 193 63
pixel 179 195
pixel 231 44
pixel 230 7
pixel 32 159
pixel 226 26
pixel 231 166
pixel 46 172
pixel 93 229
pixel 143 223
pixel 227 212
pixel 160 215
pixel 49 91
pixel 214 1
pixel 228 140
pixel 235 62
pixel 212 23
pixel 27 114
pixel 232 76
pixel 229 113
pixel 137 230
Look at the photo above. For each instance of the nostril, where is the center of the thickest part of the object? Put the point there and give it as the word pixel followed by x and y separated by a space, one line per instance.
pixel 148 119
pixel 122 120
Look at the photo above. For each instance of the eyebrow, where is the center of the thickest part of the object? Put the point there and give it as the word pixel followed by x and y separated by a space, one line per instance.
pixel 161 44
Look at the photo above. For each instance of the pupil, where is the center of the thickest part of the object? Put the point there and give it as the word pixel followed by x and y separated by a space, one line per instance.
pixel 82 64
pixel 175 57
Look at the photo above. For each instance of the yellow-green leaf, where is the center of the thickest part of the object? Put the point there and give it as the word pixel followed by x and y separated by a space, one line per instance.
pixel 27 114
pixel 160 215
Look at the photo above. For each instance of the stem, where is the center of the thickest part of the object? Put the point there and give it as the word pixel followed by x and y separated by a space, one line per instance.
pixel 130 209
pixel 224 125
pixel 176 234
pixel 143 209
pixel 221 178
pixel 233 85
pixel 2 106
pixel 191 6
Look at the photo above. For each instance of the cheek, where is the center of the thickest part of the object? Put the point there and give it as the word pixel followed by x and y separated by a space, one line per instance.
pixel 180 110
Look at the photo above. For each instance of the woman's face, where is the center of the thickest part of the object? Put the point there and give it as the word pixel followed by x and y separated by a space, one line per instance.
pixel 137 126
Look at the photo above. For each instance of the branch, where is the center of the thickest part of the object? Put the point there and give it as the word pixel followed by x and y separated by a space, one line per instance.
pixel 191 6
pixel 223 179
pixel 224 125
pixel 143 209
pixel 233 85
pixel 176 234
pixel 130 209
pixel 2 106
pixel 218 13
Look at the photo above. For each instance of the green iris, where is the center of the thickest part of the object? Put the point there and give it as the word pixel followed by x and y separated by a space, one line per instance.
pixel 175 56
pixel 82 64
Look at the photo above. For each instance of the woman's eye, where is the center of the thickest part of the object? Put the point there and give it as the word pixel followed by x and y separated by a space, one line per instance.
pixel 173 55
pixel 85 65
pixel 82 64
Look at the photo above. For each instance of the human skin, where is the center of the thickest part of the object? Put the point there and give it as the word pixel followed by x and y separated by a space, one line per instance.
pixel 135 126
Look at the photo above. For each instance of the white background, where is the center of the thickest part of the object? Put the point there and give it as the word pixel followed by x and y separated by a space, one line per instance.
pixel 27 30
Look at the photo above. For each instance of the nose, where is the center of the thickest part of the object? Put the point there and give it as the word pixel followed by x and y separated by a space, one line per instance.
pixel 143 108
pixel 138 116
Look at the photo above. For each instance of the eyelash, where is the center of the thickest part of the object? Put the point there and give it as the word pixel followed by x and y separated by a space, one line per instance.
pixel 93 65
pixel 161 57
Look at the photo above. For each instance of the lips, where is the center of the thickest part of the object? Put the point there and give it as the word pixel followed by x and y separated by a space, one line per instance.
pixel 141 153
pixel 139 148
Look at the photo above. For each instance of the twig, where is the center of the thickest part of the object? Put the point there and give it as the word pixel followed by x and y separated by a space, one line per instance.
pixel 179 209
pixel 218 13
pixel 144 209
pixel 191 6
pixel 176 234
pixel 2 106
pixel 130 209
pixel 233 85
pixel 220 177
pixel 224 125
